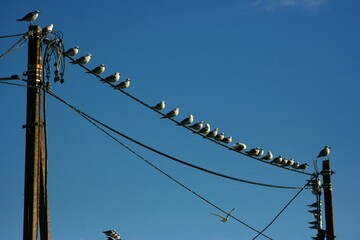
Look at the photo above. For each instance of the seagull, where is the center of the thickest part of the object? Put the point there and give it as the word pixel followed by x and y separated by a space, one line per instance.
pixel 30 17
pixel 197 126
pixel 98 70
pixel 295 165
pixel 277 160
pixel 220 136
pixel 186 121
pixel 172 113
pixel 112 78
pixel 213 133
pixel 253 152
pixel 268 156
pixel 324 152
pixel 124 84
pixel 82 60
pixel 224 219
pixel 227 140
pixel 239 146
pixel 110 232
pixel 72 51
pixel 48 29
pixel 284 161
pixel 290 163
pixel 260 153
pixel 112 235
pixel 303 166
pixel 205 129
pixel 160 106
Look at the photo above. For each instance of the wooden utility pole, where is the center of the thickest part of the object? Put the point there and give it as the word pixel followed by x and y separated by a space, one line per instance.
pixel 35 189
pixel 329 215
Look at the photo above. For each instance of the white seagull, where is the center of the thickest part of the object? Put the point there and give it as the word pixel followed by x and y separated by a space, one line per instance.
pixel 239 146
pixel 295 165
pixel 186 121
pixel 220 136
pixel 124 84
pixel 284 161
pixel 160 106
pixel 112 78
pixel 205 129
pixel 82 60
pixel 172 113
pixel 72 51
pixel 30 17
pixel 227 140
pixel 98 70
pixel 324 152
pixel 48 29
pixel 197 126
pixel 222 218
pixel 303 166
pixel 268 156
pixel 277 160
pixel 213 133
pixel 253 152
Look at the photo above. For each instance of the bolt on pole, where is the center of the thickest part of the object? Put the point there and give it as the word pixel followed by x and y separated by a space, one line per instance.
pixel 33 128
pixel 329 215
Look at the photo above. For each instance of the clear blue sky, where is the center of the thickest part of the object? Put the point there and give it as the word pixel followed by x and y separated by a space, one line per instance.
pixel 282 75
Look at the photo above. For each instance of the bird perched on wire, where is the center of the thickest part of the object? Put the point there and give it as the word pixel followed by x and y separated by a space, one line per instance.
pixel 48 29
pixel 268 156
pixel 112 235
pixel 160 106
pixel 277 160
pixel 239 146
pixel 186 121
pixel 124 84
pixel 219 136
pixel 172 114
pixel 227 140
pixel 83 60
pixel 222 218
pixel 324 152
pixel 303 166
pixel 205 129
pixel 112 78
pixel 213 133
pixel 253 152
pixel 72 51
pixel 197 126
pixel 295 165
pixel 30 17
pixel 98 70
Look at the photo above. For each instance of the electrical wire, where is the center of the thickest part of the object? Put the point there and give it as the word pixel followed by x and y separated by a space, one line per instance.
pixel 283 209
pixel 97 125
pixel 16 46
pixel 149 107
pixel 13 35
pixel 164 154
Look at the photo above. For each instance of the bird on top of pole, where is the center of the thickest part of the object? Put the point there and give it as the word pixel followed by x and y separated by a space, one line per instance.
pixel 30 17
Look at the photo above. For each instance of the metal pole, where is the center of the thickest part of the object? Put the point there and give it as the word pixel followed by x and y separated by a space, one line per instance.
pixel 33 127
pixel 329 216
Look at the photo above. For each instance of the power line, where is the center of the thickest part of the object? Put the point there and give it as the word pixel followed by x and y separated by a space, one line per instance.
pixel 97 125
pixel 164 154
pixel 283 209
pixel 19 43
pixel 13 35
pixel 193 131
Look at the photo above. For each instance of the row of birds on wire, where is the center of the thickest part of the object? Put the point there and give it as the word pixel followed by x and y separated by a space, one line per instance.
pixel 200 127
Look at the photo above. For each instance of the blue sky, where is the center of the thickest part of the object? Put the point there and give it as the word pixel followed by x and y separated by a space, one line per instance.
pixel 279 74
